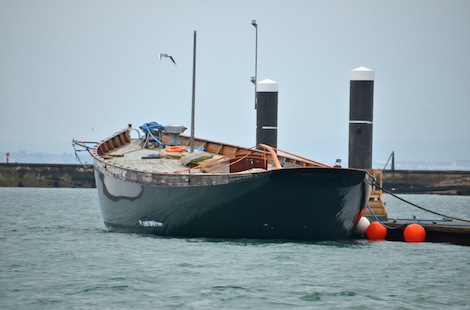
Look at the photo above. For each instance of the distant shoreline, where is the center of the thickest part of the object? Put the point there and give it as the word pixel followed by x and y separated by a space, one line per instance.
pixel 442 182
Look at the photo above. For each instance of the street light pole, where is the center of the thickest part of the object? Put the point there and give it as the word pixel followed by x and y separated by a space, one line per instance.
pixel 193 103
pixel 255 79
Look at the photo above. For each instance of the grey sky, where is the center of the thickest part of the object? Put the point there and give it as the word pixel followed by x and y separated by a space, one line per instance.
pixel 85 69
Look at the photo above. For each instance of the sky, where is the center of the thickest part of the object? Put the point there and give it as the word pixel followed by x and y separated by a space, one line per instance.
pixel 85 69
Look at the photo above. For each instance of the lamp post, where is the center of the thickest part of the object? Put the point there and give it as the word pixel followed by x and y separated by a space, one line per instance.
pixel 193 102
pixel 254 79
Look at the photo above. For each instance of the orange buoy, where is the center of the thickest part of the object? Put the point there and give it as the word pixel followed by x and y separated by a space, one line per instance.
pixel 414 233
pixel 376 231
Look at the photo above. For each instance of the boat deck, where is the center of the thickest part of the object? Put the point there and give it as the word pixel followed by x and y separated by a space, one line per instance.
pixel 145 155
pixel 133 156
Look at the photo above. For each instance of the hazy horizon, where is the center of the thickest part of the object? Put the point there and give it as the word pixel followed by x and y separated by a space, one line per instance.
pixel 85 69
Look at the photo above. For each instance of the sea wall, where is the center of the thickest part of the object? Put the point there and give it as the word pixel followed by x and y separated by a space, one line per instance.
pixel 46 175
pixel 69 175
pixel 427 182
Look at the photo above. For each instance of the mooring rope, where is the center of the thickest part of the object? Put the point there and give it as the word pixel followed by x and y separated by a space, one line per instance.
pixel 381 222
pixel 419 207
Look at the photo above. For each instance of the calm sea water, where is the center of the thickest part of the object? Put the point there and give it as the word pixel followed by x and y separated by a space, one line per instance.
pixel 56 254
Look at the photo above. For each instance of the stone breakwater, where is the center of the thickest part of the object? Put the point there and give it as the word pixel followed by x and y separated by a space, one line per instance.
pixel 78 176
pixel 445 182
pixel 46 175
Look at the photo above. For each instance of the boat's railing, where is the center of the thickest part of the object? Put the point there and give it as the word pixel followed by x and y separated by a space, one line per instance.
pixel 299 160
pixel 285 158
pixel 114 141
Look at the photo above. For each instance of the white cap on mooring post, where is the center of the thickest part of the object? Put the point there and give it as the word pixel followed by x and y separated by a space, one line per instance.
pixel 267 86
pixel 362 74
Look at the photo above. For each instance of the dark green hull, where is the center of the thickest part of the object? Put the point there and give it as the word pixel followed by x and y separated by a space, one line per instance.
pixel 298 204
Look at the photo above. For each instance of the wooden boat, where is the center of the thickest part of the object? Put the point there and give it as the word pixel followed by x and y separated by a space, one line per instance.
pixel 153 184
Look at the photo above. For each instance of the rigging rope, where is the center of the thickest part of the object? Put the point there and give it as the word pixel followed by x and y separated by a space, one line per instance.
pixel 85 147
pixel 419 207
pixel 381 222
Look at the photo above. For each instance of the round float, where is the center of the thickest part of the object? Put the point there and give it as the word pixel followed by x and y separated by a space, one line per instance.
pixel 362 225
pixel 376 231
pixel 414 233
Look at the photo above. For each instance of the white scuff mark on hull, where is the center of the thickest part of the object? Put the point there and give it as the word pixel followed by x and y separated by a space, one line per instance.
pixel 150 223
pixel 119 188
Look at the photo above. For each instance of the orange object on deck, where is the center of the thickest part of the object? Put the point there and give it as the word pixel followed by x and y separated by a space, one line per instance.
pixel 175 148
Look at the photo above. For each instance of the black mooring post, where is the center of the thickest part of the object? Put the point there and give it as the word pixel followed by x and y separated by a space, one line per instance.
pixel 361 109
pixel 266 112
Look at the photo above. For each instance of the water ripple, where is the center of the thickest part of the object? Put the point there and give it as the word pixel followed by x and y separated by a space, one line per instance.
pixel 56 254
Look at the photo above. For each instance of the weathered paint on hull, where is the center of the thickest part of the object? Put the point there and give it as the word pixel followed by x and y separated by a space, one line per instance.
pixel 302 204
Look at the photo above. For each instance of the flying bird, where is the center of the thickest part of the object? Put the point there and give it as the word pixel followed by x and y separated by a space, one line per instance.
pixel 168 56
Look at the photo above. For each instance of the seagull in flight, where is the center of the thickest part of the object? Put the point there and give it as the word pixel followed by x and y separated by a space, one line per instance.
pixel 168 56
